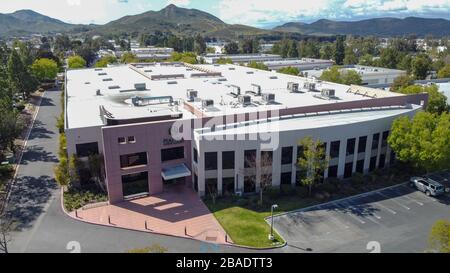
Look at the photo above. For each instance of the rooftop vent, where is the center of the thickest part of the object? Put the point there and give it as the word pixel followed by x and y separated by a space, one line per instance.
pixel 250 72
pixel 328 93
pixel 292 86
pixel 273 77
pixel 231 68
pixel 191 94
pixel 107 80
pixel 102 74
pixel 268 97
pixel 172 82
pixel 148 70
pixel 245 100
pixel 237 89
pixel 98 93
pixel 113 87
pixel 140 86
pixel 310 86
pixel 207 103
pixel 98 69
pixel 222 80
pixel 257 89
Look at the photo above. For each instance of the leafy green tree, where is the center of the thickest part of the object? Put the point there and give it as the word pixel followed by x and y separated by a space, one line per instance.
pixel 104 61
pixel 366 59
pixel 420 66
pixel 257 65
pixel 439 238
pixel 44 69
pixel 405 63
pixel 293 50
pixel 437 101
pixel 20 79
pixel 401 82
pixel 422 140
pixel 76 61
pixel 326 52
pixel 313 160
pixel 289 70
pixel 231 48
pixel 444 72
pixel 350 56
pixel 389 58
pixel 332 74
pixel 224 61
pixel 199 45
pixel 339 50
pixel 350 77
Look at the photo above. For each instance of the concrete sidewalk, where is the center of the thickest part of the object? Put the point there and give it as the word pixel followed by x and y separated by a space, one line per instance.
pixel 177 212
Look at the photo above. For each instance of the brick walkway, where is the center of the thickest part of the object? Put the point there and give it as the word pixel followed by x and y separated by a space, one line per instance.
pixel 172 212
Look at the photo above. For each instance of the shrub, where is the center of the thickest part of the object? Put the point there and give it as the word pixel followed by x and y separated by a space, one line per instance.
pixel 287 190
pixel 75 199
pixel 302 191
pixel 6 171
pixel 357 180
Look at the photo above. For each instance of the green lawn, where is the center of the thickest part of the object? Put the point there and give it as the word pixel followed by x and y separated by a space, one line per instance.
pixel 244 220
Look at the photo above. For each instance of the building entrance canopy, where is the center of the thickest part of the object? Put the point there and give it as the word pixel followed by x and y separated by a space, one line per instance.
pixel 175 172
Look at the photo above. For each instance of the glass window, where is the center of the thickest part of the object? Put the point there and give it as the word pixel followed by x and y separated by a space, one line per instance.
pixel 348 170
pixel 362 144
pixel 228 185
pixel 334 149
pixel 228 160
pixel 87 149
pixel 266 158
pixel 301 174
pixel 375 141
pixel 172 154
pixel 382 162
pixel 373 163
pixel 249 158
pixel 211 186
pixel 360 166
pixel 135 184
pixel 211 161
pixel 286 178
pixel 384 139
pixel 132 160
pixel 286 155
pixel 300 152
pixel 121 140
pixel 250 184
pixel 195 155
pixel 351 146
pixel 131 139
pixel 333 171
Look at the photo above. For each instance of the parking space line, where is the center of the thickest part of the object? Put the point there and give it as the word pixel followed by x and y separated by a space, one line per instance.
pixel 407 197
pixel 385 208
pixel 393 200
pixel 350 214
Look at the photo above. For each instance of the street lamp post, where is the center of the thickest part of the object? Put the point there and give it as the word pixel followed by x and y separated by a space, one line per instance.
pixel 271 237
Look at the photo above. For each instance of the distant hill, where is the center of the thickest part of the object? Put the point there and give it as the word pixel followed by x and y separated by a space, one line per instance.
pixel 27 21
pixel 179 21
pixel 386 27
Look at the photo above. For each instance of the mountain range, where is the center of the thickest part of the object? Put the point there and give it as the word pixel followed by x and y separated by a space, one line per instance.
pixel 184 21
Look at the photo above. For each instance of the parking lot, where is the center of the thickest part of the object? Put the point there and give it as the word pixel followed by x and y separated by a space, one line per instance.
pixel 398 219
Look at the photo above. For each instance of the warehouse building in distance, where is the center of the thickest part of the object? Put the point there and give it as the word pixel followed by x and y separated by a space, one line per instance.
pixel 241 58
pixel 301 64
pixel 369 75
pixel 159 124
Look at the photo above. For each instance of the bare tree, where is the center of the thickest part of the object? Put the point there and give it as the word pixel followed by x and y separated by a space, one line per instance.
pixel 313 160
pixel 265 164
pixel 97 170
pixel 5 229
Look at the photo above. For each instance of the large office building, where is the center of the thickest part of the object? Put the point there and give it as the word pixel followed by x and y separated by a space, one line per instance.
pixel 241 58
pixel 301 64
pixel 163 123
pixel 369 74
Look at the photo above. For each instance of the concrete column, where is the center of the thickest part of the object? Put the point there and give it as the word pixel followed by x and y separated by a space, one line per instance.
pixel 276 175
pixel 238 167
pixel 258 169
pixel 294 165
pixel 342 157
pixel 327 153
pixel 219 173
pixel 355 157
pixel 201 171
pixel 368 153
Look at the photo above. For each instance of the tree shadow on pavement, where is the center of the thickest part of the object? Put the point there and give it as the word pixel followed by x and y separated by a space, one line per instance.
pixel 28 199
pixel 38 154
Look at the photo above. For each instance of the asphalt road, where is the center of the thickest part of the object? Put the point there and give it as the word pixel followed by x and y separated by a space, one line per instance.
pixel 40 224
pixel 396 219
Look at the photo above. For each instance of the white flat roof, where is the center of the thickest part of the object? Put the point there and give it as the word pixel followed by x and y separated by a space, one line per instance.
pixel 83 103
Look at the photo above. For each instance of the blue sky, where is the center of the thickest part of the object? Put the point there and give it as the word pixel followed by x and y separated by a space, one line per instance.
pixel 261 13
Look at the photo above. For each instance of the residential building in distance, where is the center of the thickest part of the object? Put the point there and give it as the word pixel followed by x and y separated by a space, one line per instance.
pixel 200 125
pixel 241 58
pixel 369 74
pixel 301 64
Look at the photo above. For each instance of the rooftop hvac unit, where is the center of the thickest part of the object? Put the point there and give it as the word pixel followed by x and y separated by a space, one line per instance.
pixel 310 86
pixel 207 103
pixel 328 93
pixel 257 88
pixel 245 100
pixel 98 92
pixel 292 86
pixel 191 95
pixel 268 97
pixel 140 86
